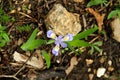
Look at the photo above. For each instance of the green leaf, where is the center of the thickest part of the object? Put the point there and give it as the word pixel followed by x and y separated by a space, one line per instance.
pixel 5 36
pixel 96 2
pixel 1 11
pixel 47 58
pixel 99 43
pixel 2 43
pixel 92 50
pixel 78 43
pixel 32 43
pixel 119 15
pixel 51 41
pixel 86 33
pixel 2 28
pixel 5 18
pixel 34 34
pixel 113 13
pixel 97 48
pixel 71 48
pixel 24 28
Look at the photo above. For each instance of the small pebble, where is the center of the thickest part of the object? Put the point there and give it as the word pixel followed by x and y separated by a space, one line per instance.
pixel 89 61
pixel 110 62
pixel 91 76
pixel 100 72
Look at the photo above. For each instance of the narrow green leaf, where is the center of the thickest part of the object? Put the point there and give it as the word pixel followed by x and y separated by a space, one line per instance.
pixel 32 43
pixel 71 48
pixel 50 41
pixel 119 15
pixel 96 2
pixel 86 33
pixel 97 48
pixel 33 35
pixel 5 36
pixel 2 43
pixel 2 28
pixel 112 14
pixel 47 58
pixel 99 43
pixel 78 43
pixel 92 50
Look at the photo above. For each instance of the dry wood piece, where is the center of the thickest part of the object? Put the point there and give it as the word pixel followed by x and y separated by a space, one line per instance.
pixel 34 61
pixel 73 62
pixel 62 22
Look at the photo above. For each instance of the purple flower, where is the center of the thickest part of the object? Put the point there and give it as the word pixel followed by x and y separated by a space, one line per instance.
pixel 51 34
pixel 59 41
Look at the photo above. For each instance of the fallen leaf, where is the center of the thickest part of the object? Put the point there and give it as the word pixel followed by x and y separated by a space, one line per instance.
pixel 73 62
pixel 34 61
pixel 99 17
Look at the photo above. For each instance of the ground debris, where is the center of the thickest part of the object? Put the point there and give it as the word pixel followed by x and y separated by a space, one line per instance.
pixel 34 61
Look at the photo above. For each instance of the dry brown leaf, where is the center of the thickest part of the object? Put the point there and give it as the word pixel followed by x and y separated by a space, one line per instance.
pixel 34 61
pixel 99 17
pixel 73 62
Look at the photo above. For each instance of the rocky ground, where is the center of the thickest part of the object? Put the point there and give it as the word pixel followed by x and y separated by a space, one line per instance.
pixel 30 65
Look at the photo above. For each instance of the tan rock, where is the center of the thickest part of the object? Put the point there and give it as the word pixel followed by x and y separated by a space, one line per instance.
pixel 62 22
pixel 115 25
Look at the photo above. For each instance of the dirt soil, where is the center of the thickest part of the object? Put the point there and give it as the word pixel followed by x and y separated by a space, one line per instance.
pixel 109 58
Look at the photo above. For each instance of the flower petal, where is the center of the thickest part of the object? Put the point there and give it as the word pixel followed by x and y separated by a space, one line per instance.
pixel 63 45
pixel 58 40
pixel 68 37
pixel 55 50
pixel 51 34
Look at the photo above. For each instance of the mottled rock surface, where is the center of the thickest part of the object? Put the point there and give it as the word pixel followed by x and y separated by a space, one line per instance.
pixel 115 25
pixel 62 22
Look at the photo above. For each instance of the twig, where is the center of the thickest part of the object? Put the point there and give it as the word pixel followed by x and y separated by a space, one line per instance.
pixel 27 16
pixel 23 66
pixel 94 39
pixel 14 75
pixel 84 21
pixel 9 76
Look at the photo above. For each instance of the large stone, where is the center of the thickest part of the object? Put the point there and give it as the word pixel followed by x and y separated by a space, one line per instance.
pixel 115 25
pixel 62 22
